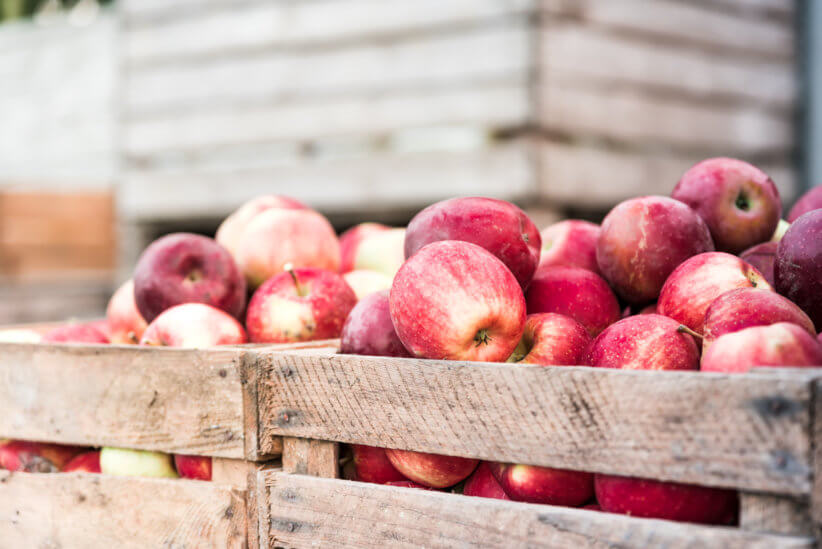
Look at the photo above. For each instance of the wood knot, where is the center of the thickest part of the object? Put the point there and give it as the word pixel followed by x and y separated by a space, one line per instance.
pixel 229 513
pixel 222 372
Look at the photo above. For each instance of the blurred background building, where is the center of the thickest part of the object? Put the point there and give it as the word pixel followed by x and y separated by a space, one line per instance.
pixel 123 120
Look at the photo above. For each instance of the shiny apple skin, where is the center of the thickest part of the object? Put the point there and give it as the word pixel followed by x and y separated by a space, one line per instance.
pixel 368 330
pixel 775 345
pixel 798 266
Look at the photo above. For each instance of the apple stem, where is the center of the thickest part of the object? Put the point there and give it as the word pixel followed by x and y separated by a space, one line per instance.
pixel 482 337
pixel 289 268
pixel 685 330
pixel 131 336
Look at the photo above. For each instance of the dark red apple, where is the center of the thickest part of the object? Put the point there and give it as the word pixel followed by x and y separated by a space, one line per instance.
pixel 368 330
pixel 75 333
pixel 762 257
pixel 811 200
pixel 780 344
pixel 350 242
pixel 87 462
pixel 570 243
pixel 482 483
pixel 798 267
pixel 193 467
pixel 431 470
pixel 544 484
pixel 35 457
pixel 551 339
pixel 407 484
pixel 371 464
pixel 592 507
pixel 194 325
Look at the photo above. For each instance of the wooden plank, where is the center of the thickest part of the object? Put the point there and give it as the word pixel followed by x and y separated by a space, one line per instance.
pixel 739 431
pixel 775 514
pixel 307 511
pixel 311 457
pixel 173 400
pixel 97 511
pixel 49 299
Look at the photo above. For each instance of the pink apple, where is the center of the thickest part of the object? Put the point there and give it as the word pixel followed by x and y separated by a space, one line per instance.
pixel 194 325
pixel 644 342
pixel 277 237
pixel 350 242
pixel 230 233
pixel 498 226
pixel 187 268
pixel 125 323
pixel 780 344
pixel 798 266
pixel 136 463
pixel 365 282
pixel 368 330
pixel 431 470
pixel 482 483
pixel 381 251
pixel 193 467
pixel 811 200
pixel 762 257
pixel 737 200
pixel 35 457
pixel 643 240
pixel 299 305
pixel 551 339
pixel 88 462
pixel 572 291
pixel 570 243
pixel 695 284
pixel 453 300
pixel 371 464
pixel 75 333
pixel 544 484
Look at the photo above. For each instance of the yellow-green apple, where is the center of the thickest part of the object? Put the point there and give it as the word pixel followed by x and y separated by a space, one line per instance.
pixel 193 467
pixel 551 339
pixel 644 342
pixel 35 457
pixel 230 232
pixel 665 500
pixel 483 484
pixel 381 251
pixel 737 200
pixel 299 305
pixel 123 462
pixel 781 228
pixel 365 282
pixel 453 300
pixel 187 268
pixel 695 284
pixel 642 240
pixel 762 257
pixel 576 292
pixel 798 266
pixel 432 470
pixel 570 243
pixel 780 344
pixel 87 462
pixel 350 242
pixel 194 325
pixel 811 200
pixel 125 323
pixel 498 226
pixel 747 307
pixel 75 333
pixel 371 464
pixel 277 237
pixel 20 335
pixel 544 484
pixel 368 330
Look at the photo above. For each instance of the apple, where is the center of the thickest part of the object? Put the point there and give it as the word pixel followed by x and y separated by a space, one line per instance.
pixel 498 226
pixel 194 325
pixel 187 268
pixel 544 484
pixel 644 342
pixel 780 344
pixel 20 335
pixel 407 484
pixel 230 232
pixel 781 228
pixel 122 462
pixel 75 333
pixel 798 266
pixel 695 284
pixel 125 323
pixel 432 470
pixel 368 330
pixel 642 240
pixel 482 483
pixel 665 500
pixel 811 200
pixel 575 292
pixel 350 242
pixel 762 257
pixel 747 307
pixel 453 300
pixel 592 507
pixel 193 467
pixel 35 457
pixel 371 464
pixel 277 237
pixel 570 243
pixel 648 310
pixel 819 338
pixel 737 200
pixel 551 339
pixel 365 282
pixel 381 251
pixel 87 462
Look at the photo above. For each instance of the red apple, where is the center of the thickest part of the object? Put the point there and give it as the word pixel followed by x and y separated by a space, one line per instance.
pixel 498 226
pixel 193 467
pixel 482 483
pixel 780 344
pixel 762 257
pixel 277 237
pixel 648 310
pixel 194 325
pixel 544 484
pixel 407 484
pixel 570 243
pixel 737 200
pixel 136 463
pixel 381 251
pixel 551 339
pixel 75 333
pixel 695 284
pixel 230 233
pixel 454 300
pixel 432 470
pixel 187 268
pixel 35 457
pixel 798 266
pixel 575 292
pixel 371 464
pixel 811 200
pixel 644 342
pixel 368 330
pixel 350 242
pixel 643 240
pixel 365 282
pixel 664 500
pixel 88 462
pixel 819 338
pixel 125 323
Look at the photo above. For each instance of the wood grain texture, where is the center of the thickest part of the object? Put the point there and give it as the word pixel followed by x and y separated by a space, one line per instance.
pixel 775 514
pixel 318 458
pixel 308 511
pixel 75 510
pixel 743 431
